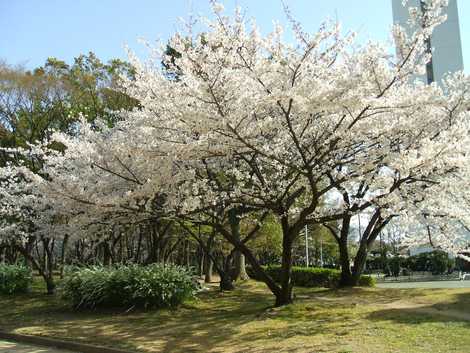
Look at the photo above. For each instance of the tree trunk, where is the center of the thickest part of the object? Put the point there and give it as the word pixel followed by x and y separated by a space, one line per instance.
pixel 373 229
pixel 107 254
pixel 201 262
pixel 240 267
pixel 256 266
pixel 226 282
pixel 346 279
pixel 62 255
pixel 45 274
pixel 50 284
pixel 239 270
pixel 359 263
pixel 226 279
pixel 285 295
pixel 188 254
pixel 49 269
pixel 208 264
pixel 139 247
pixel 208 269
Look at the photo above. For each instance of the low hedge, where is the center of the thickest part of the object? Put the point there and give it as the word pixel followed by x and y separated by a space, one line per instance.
pixel 15 279
pixel 311 276
pixel 367 281
pixel 153 286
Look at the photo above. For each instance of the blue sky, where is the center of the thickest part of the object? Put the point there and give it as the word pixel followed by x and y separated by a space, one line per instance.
pixel 33 30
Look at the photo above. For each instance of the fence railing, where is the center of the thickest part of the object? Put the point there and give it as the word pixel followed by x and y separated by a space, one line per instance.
pixel 416 277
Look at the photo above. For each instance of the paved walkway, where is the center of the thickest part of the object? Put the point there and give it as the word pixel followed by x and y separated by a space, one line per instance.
pixel 13 347
pixel 433 284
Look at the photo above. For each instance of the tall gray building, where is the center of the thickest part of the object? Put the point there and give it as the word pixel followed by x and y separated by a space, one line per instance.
pixel 445 41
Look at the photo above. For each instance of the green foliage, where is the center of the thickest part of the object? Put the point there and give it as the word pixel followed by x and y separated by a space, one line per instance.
pixel 437 262
pixel 312 276
pixel 51 97
pixel 153 286
pixel 267 244
pixel 14 279
pixel 376 263
pixel 315 277
pixel 421 262
pixel 394 265
pixel 366 281
pixel 323 248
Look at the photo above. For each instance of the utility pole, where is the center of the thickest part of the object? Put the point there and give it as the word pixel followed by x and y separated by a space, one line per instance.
pixel 306 245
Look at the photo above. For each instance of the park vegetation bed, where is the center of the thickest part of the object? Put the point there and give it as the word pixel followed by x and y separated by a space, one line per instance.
pixel 311 276
pixel 321 320
pixel 153 286
pixel 14 279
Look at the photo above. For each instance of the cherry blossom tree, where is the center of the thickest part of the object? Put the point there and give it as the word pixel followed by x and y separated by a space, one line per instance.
pixel 313 132
pixel 26 220
pixel 293 125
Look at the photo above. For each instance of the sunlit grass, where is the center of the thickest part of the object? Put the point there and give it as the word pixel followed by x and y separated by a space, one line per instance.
pixel 320 320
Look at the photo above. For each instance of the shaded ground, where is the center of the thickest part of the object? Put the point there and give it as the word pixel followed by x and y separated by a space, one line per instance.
pixel 321 320
pixel 430 284
pixel 13 347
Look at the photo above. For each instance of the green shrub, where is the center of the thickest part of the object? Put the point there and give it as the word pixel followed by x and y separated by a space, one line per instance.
pixel 438 262
pixel 366 281
pixel 315 277
pixel 311 276
pixel 395 265
pixel 153 286
pixel 14 279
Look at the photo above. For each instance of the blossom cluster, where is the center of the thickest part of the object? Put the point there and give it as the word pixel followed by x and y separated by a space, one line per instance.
pixel 310 130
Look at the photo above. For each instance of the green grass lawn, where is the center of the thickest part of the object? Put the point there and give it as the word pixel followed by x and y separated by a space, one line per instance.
pixel 321 320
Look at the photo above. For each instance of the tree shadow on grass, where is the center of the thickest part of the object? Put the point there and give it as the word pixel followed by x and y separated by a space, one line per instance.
pixel 455 309
pixel 201 325
pixel 238 321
